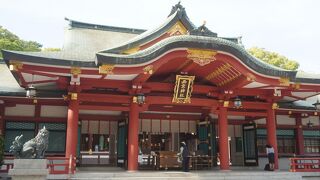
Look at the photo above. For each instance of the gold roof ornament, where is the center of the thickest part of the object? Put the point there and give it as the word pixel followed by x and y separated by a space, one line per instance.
pixel 131 50
pixel 201 56
pixel 177 29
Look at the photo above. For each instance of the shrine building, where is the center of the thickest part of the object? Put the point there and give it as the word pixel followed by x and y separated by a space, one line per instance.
pixel 119 96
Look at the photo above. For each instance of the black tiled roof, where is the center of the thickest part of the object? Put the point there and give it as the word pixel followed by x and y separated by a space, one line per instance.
pixel 78 24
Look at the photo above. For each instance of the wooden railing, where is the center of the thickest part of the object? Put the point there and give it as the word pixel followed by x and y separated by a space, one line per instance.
pixel 7 165
pixel 304 164
pixel 65 166
pixel 56 165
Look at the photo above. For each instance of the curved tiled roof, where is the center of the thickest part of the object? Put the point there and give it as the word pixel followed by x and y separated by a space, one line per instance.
pixel 60 58
pixel 190 41
pixel 178 13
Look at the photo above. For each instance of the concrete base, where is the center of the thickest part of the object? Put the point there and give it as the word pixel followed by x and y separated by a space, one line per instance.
pixel 25 169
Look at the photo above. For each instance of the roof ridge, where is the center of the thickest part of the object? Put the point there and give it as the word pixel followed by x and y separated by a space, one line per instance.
pixel 79 24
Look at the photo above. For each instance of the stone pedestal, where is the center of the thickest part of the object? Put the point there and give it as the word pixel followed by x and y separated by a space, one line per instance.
pixel 25 169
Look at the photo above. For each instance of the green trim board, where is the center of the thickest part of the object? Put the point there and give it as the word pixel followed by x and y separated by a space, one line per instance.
pixel 311 133
pixel 280 132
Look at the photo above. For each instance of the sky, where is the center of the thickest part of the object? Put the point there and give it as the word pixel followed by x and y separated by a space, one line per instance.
pixel 289 27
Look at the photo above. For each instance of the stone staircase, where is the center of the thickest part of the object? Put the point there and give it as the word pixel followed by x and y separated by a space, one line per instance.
pixel 172 175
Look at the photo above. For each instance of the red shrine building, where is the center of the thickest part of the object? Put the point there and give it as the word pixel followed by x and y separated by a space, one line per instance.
pixel 118 94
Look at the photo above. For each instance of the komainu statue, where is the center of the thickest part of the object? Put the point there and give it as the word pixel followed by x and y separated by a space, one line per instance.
pixel 32 149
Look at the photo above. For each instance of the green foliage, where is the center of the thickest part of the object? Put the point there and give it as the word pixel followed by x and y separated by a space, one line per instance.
pixel 1 150
pixel 51 49
pixel 10 41
pixel 274 58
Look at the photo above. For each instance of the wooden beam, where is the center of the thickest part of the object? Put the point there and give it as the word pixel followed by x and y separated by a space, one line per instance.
pixel 104 108
pixel 35 119
pixel 95 117
pixel 90 97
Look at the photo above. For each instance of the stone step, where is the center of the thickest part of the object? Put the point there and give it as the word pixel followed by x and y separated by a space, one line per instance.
pixel 213 175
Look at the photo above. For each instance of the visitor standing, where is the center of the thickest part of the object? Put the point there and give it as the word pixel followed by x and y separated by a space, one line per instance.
pixel 184 153
pixel 270 154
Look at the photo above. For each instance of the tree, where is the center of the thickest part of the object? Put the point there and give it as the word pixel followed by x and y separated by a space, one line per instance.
pixel 10 41
pixel 274 58
pixel 51 49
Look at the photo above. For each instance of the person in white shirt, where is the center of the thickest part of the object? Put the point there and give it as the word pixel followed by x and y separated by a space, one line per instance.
pixel 184 155
pixel 270 154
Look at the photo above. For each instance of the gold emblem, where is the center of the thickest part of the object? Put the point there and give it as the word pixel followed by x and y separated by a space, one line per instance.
pixel 75 70
pixel 106 69
pixel 275 106
pixel 148 69
pixel 284 81
pixel 73 96
pixel 201 56
pixel 15 65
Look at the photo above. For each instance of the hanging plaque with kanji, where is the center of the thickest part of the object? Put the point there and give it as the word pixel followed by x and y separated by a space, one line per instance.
pixel 183 89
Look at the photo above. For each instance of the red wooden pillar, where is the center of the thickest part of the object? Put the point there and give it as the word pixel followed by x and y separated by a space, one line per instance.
pixel 1 119
pixel 272 134
pixel 223 139
pixel 72 127
pixel 133 133
pixel 299 135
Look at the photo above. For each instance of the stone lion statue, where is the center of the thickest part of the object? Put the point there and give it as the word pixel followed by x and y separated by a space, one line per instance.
pixel 32 149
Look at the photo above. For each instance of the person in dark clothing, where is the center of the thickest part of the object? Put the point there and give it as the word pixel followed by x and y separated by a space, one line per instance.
pixel 184 153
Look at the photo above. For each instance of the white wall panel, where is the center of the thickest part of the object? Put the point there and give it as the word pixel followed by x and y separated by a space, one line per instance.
pixel 155 125
pixel 192 126
pixel 94 127
pixel 54 111
pixel 230 130
pixel 174 126
pixel 312 119
pixel 114 127
pixel 165 125
pixel 183 126
pixel 20 110
pixel 238 131
pixel 285 119
pixel 84 127
pixel 146 125
pixel 260 121
pixel 104 127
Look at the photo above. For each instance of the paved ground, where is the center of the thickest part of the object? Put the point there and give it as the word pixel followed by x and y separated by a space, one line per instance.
pixel 115 173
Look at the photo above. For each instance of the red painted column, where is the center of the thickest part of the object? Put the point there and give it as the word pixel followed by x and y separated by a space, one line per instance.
pixel 272 134
pixel 72 128
pixel 1 119
pixel 223 139
pixel 133 133
pixel 299 135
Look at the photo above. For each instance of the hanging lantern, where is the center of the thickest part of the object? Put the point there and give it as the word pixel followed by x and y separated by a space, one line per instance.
pixel 237 102
pixel 141 98
pixel 31 92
